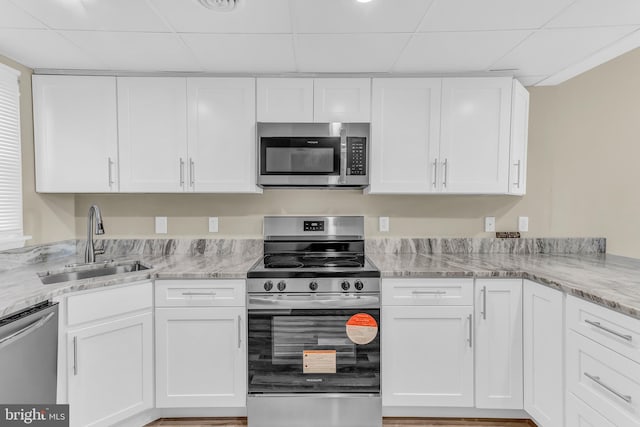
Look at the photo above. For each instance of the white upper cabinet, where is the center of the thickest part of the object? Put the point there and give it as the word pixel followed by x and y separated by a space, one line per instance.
pixel 342 100
pixel 405 126
pixel 287 100
pixel 475 135
pixel 76 136
pixel 221 129
pixel 446 135
pixel 519 139
pixel 293 100
pixel 152 125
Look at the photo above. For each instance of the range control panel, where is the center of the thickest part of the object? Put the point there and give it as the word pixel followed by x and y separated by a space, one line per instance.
pixel 313 226
pixel 356 155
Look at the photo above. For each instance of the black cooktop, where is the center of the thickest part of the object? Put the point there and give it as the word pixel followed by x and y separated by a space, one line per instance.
pixel 313 261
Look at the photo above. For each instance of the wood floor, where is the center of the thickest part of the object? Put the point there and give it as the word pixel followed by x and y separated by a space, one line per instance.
pixel 388 422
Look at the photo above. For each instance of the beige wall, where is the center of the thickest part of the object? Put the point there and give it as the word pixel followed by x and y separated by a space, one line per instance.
pixel 47 217
pixel 583 181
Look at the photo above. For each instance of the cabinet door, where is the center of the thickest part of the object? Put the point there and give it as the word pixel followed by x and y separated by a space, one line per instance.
pixel 152 129
pixel 201 357
pixel 405 133
pixel 579 414
pixel 285 100
pixel 76 136
pixel 474 148
pixel 427 356
pixel 499 343
pixel 543 331
pixel 110 370
pixel 222 140
pixel 342 100
pixel 519 138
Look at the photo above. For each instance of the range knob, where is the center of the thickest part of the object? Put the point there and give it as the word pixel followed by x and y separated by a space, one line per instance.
pixel 345 285
pixel 313 285
pixel 281 285
pixel 359 285
pixel 268 285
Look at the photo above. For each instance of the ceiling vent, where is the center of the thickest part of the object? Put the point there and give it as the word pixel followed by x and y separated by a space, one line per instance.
pixel 220 5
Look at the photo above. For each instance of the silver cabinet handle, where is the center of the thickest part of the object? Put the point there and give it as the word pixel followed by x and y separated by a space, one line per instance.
pixel 75 355
pixel 484 302
pixel 209 294
pixel 109 165
pixel 611 331
pixel 470 339
pixel 445 172
pixel 192 172
pixel 239 331
pixel 435 173
pixel 597 380
pixel 429 292
pixel 518 165
pixel 5 341
pixel 181 172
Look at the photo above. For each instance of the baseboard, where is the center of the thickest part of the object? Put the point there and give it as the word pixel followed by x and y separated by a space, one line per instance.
pixel 454 413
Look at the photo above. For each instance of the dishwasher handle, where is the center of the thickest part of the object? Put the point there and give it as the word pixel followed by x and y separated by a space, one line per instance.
pixel 32 327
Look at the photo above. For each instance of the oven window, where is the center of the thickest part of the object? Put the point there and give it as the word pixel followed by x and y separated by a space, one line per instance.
pixel 309 351
pixel 299 160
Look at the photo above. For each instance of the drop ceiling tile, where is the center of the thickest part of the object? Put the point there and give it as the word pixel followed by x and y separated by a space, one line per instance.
pixel 586 13
pixel 469 15
pixel 245 53
pixel 350 16
pixel 111 15
pixel 136 51
pixel 251 16
pixel 457 51
pixel 12 16
pixel 44 49
pixel 348 53
pixel 549 51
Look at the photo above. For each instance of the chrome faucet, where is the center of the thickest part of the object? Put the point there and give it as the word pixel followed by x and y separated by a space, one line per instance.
pixel 94 217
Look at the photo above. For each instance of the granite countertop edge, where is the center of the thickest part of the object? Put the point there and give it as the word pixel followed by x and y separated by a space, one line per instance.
pixel 14 298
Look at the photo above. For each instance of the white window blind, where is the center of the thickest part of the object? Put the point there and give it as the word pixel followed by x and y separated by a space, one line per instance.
pixel 11 235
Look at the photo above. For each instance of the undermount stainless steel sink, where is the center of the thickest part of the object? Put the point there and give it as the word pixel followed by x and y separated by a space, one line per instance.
pixel 86 271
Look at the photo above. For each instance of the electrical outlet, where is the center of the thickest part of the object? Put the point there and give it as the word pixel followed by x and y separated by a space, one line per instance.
pixel 213 224
pixel 161 225
pixel 383 223
pixel 523 223
pixel 489 224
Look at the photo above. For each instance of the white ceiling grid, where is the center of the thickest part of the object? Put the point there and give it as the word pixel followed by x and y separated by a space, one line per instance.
pixel 539 41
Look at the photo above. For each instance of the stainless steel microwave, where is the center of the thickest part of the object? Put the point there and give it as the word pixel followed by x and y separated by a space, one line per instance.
pixel 324 161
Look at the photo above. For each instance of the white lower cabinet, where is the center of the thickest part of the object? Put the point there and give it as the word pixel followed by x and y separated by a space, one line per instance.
pixel 579 414
pixel 427 351
pixel 109 357
pixel 543 333
pixel 200 344
pixel 498 314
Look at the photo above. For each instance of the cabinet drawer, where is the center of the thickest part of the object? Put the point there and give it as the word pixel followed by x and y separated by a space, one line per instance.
pixel 605 380
pixel 427 291
pixel 579 414
pixel 200 293
pixel 609 328
pixel 108 302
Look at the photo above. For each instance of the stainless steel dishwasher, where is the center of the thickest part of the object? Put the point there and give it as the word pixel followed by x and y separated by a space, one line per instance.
pixel 29 355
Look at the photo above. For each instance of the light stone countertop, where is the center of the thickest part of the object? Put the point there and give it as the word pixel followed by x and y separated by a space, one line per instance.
pixel 608 280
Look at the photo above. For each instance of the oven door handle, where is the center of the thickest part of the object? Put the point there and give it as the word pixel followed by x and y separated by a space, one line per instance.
pixel 311 302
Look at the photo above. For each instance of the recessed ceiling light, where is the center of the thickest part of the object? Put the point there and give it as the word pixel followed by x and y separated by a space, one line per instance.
pixel 220 5
pixel 363 1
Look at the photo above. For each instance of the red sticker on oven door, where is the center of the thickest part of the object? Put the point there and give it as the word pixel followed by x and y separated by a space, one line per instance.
pixel 362 328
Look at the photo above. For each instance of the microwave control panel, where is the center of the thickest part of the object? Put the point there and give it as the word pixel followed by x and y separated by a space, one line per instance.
pixel 356 155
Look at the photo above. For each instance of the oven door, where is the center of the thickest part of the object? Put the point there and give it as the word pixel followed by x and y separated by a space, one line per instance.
pixel 300 344
pixel 290 161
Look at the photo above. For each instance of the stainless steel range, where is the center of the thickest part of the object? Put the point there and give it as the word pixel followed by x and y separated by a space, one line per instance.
pixel 313 329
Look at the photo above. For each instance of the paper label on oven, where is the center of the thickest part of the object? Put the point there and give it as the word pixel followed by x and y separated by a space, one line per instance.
pixel 319 362
pixel 362 328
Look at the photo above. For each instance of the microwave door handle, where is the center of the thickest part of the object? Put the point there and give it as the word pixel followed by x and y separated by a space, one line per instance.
pixel 343 155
